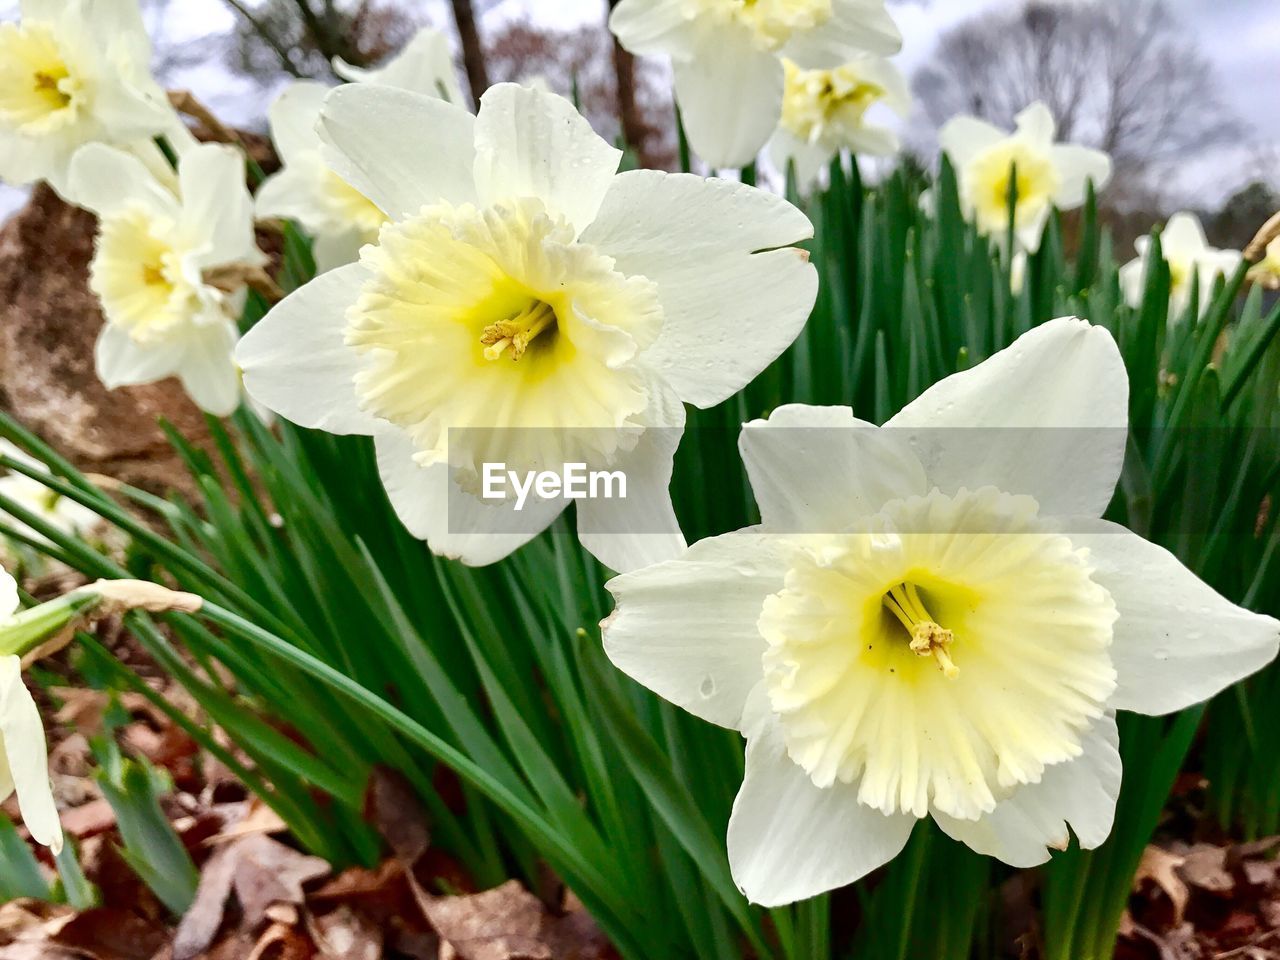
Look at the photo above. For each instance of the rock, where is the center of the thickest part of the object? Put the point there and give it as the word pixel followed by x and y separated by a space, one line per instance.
pixel 49 320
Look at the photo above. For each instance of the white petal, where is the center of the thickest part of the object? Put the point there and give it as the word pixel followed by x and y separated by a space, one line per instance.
pixel 216 206
pixel 27 756
pixel 425 66
pixel 1048 416
pixel 533 143
pixel 292 192
pixel 730 97
pixel 106 180
pixel 1177 641
pixel 642 529
pixel 1081 794
pixel 686 628
pixel 728 311
pixel 1133 279
pixel 8 586
pixel 293 117
pixel 654 28
pixel 964 137
pixel 856 28
pixel 818 469
pixel 1183 237
pixel 454 523
pixel 400 149
pixel 790 840
pixel 810 159
pixel 296 361
pixel 333 250
pixel 122 362
pixel 1076 167
pixel 207 370
pixel 1036 124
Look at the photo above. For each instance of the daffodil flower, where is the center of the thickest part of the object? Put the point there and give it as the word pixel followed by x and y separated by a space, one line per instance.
pixel 24 758
pixel 931 622
pixel 727 58
pixel 825 111
pixel 527 304
pixel 1049 174
pixel 61 512
pixel 339 217
pixel 1189 256
pixel 169 268
pixel 74 72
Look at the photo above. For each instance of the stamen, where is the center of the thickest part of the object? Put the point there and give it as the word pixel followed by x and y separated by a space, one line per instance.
pixel 518 332
pixel 928 639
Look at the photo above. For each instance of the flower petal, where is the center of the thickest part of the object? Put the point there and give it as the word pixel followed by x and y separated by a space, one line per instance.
pixel 454 523
pixel 963 138
pixel 855 29
pixel 728 311
pixel 818 469
pixel 296 361
pixel 1035 123
pixel 686 628
pixel 217 210
pixel 1177 641
pixel 533 143
pixel 106 180
pixel 424 65
pixel 810 159
pixel 1076 167
pixel 122 362
pixel 9 601
pixel 291 192
pixel 730 97
pixel 1081 793
pixel 27 756
pixel 790 840
pixel 400 149
pixel 654 28
pixel 207 370
pixel 293 118
pixel 1047 416
pixel 640 529
pixel 1183 237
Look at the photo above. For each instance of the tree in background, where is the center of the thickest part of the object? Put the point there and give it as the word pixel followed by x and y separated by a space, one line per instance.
pixel 1125 78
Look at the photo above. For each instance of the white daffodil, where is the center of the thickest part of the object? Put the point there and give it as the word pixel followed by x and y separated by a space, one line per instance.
pixel 1189 256
pixel 825 111
pixel 727 58
pixel 24 758
pixel 74 72
pixel 63 513
pixel 530 306
pixel 932 622
pixel 338 216
pixel 170 269
pixel 1048 174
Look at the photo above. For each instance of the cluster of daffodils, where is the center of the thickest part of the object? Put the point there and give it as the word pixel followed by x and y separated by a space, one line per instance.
pixel 1191 261
pixel 931 622
pixel 526 304
pixel 994 166
pixel 741 68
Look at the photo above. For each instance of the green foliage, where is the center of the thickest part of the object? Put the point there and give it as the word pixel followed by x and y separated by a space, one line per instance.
pixel 351 645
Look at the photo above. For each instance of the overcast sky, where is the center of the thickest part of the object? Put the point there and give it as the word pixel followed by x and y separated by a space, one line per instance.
pixel 1240 37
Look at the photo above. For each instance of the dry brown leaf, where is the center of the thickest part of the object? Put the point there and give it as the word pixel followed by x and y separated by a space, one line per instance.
pixel 1205 866
pixel 345 934
pixel 1161 868
pixel 111 934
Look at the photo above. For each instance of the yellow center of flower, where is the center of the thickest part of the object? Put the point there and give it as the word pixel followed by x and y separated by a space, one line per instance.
pixel 38 91
pixel 771 22
pixel 1179 274
pixel 990 176
pixel 942 661
pixel 494 335
pixel 817 105
pixel 138 275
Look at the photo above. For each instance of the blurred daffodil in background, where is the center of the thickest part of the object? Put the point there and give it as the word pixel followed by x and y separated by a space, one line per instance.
pixel 1190 258
pixel 170 266
pixel 728 57
pixel 931 622
pixel 825 111
pixel 527 305
pixel 1048 174
pixel 340 218
pixel 74 72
